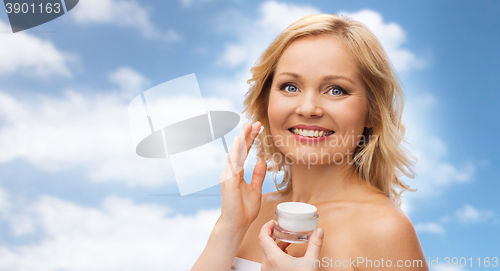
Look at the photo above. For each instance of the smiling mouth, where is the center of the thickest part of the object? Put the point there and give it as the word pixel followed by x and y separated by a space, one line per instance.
pixel 310 133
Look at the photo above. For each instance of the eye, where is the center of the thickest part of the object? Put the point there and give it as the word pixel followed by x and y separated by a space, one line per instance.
pixel 337 91
pixel 289 88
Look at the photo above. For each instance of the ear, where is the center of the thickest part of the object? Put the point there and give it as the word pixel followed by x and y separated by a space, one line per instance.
pixel 368 124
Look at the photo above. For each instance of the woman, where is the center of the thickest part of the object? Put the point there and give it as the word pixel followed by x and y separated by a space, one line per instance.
pixel 331 108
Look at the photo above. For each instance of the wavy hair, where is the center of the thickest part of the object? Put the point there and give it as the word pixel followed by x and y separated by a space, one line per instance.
pixel 383 160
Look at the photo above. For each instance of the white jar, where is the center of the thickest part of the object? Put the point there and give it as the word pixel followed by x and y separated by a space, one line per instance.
pixel 295 222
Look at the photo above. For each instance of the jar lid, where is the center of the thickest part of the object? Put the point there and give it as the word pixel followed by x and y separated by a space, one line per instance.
pixel 297 209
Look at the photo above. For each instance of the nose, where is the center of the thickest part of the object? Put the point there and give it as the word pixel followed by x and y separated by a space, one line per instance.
pixel 310 106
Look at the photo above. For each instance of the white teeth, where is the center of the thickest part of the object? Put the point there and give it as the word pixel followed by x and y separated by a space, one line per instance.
pixel 311 133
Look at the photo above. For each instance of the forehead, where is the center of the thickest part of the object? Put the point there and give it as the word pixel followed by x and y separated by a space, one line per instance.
pixel 316 57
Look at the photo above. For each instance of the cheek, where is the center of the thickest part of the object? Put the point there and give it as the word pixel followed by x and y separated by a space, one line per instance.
pixel 276 111
pixel 353 115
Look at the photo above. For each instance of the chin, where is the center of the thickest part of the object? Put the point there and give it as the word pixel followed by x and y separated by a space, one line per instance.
pixel 312 157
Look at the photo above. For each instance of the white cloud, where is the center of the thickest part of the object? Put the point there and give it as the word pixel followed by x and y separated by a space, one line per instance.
pixel 276 16
pixel 76 132
pixel 89 133
pixel 130 81
pixel 234 55
pixel 221 104
pixel 122 13
pixel 32 56
pixel 435 173
pixel 118 235
pixel 392 37
pixel 430 228
pixel 468 214
pixel 254 36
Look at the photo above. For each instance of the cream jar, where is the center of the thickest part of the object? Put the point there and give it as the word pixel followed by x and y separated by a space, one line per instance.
pixel 294 222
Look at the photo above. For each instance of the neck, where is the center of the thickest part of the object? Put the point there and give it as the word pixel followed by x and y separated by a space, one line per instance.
pixel 317 184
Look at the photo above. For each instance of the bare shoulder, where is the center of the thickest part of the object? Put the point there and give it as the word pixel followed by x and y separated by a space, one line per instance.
pixel 384 220
pixel 385 232
pixel 370 228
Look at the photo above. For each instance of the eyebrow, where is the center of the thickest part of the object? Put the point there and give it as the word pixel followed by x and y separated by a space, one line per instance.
pixel 325 78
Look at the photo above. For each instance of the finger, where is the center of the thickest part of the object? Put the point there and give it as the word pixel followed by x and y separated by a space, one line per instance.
pixel 241 153
pixel 247 128
pixel 259 174
pixel 246 131
pixel 235 160
pixel 267 244
pixel 283 245
pixel 255 130
pixel 229 167
pixel 314 245
pixel 237 155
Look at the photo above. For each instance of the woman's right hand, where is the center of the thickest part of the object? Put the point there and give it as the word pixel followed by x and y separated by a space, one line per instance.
pixel 241 201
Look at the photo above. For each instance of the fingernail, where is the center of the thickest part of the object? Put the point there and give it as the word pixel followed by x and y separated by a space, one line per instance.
pixel 319 233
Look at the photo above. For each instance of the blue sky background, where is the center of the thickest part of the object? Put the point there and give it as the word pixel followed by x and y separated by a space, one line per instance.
pixel 74 196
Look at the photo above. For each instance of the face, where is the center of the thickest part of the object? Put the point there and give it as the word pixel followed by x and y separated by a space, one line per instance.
pixel 317 103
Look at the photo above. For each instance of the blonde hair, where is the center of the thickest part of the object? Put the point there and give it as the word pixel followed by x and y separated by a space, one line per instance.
pixel 382 161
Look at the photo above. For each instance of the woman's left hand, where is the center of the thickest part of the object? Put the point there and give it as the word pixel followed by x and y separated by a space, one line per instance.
pixel 275 257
